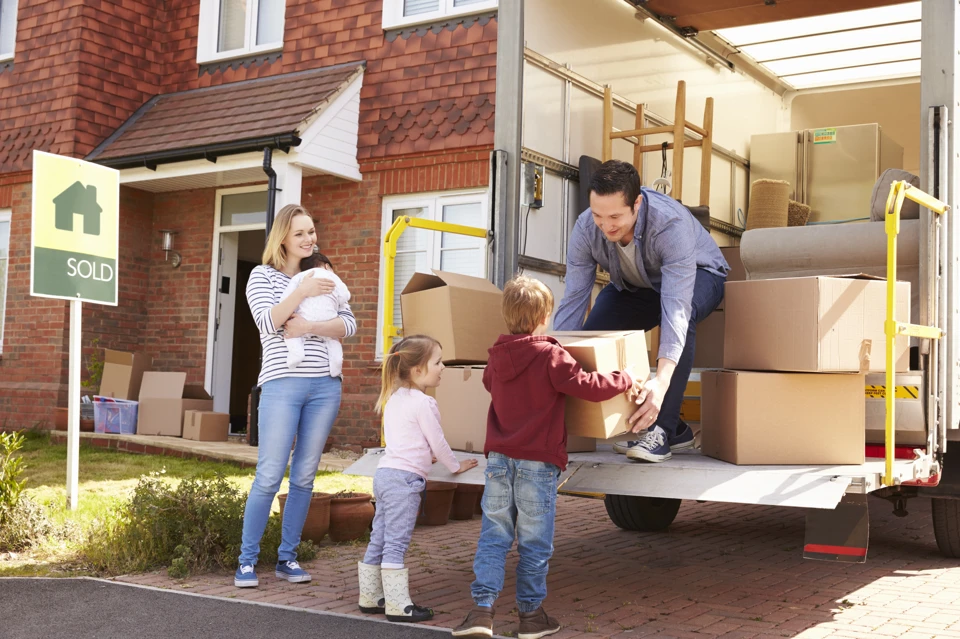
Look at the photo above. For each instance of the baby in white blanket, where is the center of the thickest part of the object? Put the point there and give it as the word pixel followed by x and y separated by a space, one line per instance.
pixel 318 309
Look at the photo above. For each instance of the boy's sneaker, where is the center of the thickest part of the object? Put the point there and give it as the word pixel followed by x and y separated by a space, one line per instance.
pixel 292 572
pixel 245 577
pixel 479 623
pixel 536 624
pixel 653 447
pixel 682 441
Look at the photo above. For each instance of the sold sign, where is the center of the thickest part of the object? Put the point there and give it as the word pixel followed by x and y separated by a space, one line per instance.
pixel 75 238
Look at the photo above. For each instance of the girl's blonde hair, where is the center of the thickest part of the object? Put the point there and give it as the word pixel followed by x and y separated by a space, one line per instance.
pixel 275 254
pixel 405 355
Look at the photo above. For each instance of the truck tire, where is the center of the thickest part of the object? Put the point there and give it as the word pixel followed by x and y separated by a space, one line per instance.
pixel 642 514
pixel 946 526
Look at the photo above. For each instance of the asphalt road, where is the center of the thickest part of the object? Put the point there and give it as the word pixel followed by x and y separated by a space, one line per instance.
pixel 82 608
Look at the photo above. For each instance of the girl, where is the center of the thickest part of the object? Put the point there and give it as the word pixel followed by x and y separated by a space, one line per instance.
pixel 414 438
pixel 297 404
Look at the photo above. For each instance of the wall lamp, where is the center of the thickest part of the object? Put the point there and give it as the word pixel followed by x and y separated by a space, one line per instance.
pixel 168 248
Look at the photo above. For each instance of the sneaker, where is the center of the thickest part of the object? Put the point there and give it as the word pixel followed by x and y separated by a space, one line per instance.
pixel 682 441
pixel 245 577
pixel 479 623
pixel 536 624
pixel 653 447
pixel 292 572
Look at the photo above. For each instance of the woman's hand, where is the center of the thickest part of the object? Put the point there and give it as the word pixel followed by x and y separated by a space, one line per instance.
pixel 314 286
pixel 296 326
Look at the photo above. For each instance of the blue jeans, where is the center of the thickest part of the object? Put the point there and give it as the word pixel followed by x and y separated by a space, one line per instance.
pixel 519 501
pixel 398 494
pixel 291 408
pixel 640 310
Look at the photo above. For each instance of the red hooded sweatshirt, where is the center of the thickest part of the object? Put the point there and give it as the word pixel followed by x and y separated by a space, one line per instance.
pixel 528 377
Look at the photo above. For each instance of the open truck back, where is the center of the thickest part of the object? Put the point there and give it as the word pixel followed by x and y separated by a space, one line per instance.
pixel 556 61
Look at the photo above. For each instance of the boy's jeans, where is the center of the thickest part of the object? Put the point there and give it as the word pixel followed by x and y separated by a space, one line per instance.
pixel 519 501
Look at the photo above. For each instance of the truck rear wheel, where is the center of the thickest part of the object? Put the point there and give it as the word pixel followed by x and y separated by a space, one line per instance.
pixel 946 526
pixel 643 514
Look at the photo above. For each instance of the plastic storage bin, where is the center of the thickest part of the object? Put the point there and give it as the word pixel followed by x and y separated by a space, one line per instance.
pixel 117 416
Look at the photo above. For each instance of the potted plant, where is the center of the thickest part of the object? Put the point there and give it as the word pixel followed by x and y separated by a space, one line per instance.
pixel 437 503
pixel 351 515
pixel 317 523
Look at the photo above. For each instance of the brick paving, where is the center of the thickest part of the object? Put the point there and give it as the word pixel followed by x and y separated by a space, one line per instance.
pixel 721 570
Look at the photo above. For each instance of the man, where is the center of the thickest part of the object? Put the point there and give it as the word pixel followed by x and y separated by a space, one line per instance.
pixel 665 270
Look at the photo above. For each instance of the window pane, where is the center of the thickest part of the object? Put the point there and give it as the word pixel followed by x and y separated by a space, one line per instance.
pixel 417 7
pixel 463 3
pixel 412 257
pixel 4 239
pixel 233 24
pixel 8 31
pixel 243 208
pixel 462 253
pixel 270 21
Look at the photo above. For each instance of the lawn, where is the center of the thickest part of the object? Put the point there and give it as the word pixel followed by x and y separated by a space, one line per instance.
pixel 106 478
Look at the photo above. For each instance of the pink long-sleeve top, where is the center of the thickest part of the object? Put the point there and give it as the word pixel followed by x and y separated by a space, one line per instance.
pixel 413 434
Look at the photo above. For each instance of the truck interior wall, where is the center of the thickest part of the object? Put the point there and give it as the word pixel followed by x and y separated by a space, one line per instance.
pixel 894 107
pixel 602 41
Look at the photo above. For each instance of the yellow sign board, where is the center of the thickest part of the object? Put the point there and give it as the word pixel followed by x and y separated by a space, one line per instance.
pixel 75 232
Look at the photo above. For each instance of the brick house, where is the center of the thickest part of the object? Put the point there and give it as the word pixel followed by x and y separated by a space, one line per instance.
pixel 369 107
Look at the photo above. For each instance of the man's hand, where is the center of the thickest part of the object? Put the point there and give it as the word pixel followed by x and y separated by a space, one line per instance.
pixel 466 465
pixel 650 400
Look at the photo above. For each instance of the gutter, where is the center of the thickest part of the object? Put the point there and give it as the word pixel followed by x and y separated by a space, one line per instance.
pixel 208 152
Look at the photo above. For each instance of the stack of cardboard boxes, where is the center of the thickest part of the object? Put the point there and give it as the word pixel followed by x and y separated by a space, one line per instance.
pixel 166 404
pixel 796 353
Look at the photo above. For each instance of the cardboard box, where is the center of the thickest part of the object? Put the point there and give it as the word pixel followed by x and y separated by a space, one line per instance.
pixel 605 352
pixel 164 397
pixel 206 426
pixel 811 324
pixel 782 418
pixel 708 352
pixel 732 255
pixel 461 312
pixel 690 408
pixel 910 427
pixel 464 404
pixel 123 373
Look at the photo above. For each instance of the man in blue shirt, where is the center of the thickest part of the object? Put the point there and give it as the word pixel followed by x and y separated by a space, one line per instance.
pixel 665 270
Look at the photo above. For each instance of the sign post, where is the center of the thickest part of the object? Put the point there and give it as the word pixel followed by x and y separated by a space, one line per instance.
pixel 74 249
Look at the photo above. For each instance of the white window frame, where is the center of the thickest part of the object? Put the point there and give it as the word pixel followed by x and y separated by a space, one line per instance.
pixel 433 203
pixel 393 12
pixel 4 57
pixel 210 32
pixel 5 216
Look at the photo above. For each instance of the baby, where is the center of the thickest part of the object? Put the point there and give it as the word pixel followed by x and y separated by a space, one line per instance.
pixel 318 309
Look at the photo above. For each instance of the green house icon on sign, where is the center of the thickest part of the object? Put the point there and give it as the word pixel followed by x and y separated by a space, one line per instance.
pixel 81 199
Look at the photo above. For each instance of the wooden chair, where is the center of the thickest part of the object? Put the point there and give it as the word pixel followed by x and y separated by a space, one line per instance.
pixel 678 129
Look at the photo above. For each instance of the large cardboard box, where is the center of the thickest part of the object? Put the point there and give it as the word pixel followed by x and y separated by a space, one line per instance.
pixel 911 430
pixel 164 397
pixel 605 352
pixel 464 404
pixel 811 324
pixel 782 418
pixel 122 374
pixel 737 272
pixel 206 426
pixel 460 311
pixel 710 332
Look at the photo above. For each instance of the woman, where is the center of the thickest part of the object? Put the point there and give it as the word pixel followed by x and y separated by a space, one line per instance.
pixel 298 404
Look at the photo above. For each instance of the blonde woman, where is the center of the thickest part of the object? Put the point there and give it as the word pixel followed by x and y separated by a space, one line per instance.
pixel 296 404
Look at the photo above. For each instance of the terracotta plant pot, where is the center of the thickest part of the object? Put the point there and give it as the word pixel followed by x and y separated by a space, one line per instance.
pixel 60 418
pixel 317 524
pixel 350 516
pixel 86 426
pixel 479 510
pixel 437 503
pixel 465 500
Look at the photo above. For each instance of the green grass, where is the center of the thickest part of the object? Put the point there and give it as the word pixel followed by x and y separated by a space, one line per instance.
pixel 106 478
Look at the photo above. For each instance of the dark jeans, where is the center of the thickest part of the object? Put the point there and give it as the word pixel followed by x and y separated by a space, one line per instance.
pixel 640 310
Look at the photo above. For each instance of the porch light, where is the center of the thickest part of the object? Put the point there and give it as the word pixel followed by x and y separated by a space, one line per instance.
pixel 168 247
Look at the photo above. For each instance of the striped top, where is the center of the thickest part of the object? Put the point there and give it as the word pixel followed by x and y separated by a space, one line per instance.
pixel 264 290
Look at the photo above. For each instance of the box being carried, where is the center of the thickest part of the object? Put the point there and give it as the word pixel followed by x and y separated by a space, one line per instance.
pixel 604 352
pixel 122 374
pixel 459 311
pixel 163 399
pixel 206 426
pixel 812 324
pixel 464 404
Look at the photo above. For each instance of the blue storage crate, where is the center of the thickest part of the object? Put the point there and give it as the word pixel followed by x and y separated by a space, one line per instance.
pixel 117 416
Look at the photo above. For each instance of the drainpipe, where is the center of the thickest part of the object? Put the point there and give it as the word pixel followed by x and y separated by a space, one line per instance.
pixel 253 434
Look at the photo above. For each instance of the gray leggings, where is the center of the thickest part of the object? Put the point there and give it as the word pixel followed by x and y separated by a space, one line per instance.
pixel 398 495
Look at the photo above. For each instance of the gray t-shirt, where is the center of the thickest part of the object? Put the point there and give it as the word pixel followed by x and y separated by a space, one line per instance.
pixel 628 265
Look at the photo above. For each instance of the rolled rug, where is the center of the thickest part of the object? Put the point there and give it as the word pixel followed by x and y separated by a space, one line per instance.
pixel 797 214
pixel 769 203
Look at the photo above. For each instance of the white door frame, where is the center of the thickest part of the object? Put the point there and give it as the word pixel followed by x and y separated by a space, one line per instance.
pixel 218 230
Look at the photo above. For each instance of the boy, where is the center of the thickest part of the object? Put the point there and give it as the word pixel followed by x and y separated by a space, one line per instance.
pixel 528 375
